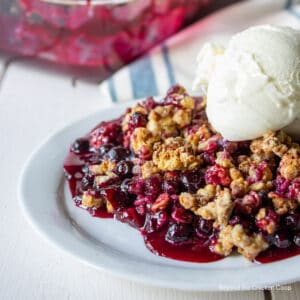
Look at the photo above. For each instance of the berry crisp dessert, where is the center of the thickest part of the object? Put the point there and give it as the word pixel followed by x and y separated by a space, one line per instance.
pixel 162 169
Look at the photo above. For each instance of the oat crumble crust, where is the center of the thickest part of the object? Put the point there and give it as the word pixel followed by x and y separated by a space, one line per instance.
pixel 241 179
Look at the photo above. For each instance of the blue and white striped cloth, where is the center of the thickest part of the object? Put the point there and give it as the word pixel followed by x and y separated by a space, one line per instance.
pixel 174 60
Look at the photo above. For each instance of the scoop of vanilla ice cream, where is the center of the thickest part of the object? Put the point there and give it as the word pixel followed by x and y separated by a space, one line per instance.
pixel 206 64
pixel 253 85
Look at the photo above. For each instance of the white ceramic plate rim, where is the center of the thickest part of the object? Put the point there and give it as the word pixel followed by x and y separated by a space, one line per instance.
pixel 244 278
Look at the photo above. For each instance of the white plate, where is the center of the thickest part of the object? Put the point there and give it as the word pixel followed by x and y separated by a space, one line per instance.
pixel 109 245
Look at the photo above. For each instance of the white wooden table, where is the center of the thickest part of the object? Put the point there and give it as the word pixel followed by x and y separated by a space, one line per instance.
pixel 34 102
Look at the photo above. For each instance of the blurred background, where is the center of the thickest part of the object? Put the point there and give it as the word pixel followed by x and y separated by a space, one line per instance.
pixel 94 38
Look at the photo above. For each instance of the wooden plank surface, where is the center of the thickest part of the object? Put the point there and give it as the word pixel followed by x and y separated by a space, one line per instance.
pixel 34 103
pixel 287 292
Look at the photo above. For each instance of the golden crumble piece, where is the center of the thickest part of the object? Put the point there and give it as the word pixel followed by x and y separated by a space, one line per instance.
pixel 283 205
pixel 202 134
pixel 201 198
pixel 160 121
pixel 224 244
pixel 245 163
pixel 208 211
pixel 271 143
pixel 90 201
pixel 208 193
pixel 260 186
pixel 248 245
pixel 148 169
pixel 239 187
pixel 188 201
pixel 175 154
pixel 235 174
pixel 188 102
pixel 136 108
pixel 236 236
pixel 266 223
pixel 100 179
pixel 224 206
pixel 224 160
pixel 142 139
pixel 103 168
pixel 182 117
pixel 289 166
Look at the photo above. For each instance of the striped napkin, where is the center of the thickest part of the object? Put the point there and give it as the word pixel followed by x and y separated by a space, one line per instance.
pixel 174 61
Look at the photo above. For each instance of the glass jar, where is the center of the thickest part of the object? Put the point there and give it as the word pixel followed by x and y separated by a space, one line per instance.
pixel 84 32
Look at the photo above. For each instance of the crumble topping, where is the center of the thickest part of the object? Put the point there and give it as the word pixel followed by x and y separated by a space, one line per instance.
pixel 202 134
pixel 239 187
pixel 272 143
pixel 224 206
pixel 142 141
pixel 211 203
pixel 189 201
pixel 249 245
pixel 198 200
pixel 103 168
pixel 224 243
pixel 208 211
pixel 267 220
pixel 148 169
pixel 244 163
pixel 101 179
pixel 182 117
pixel 175 154
pixel 188 102
pixel 89 200
pixel 283 205
pixel 161 121
pixel 289 166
